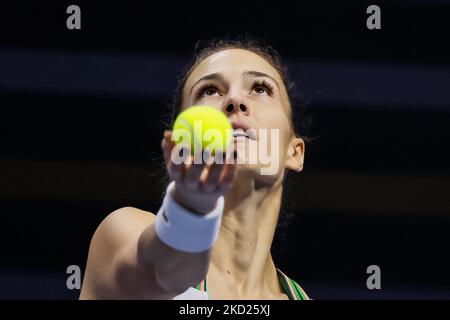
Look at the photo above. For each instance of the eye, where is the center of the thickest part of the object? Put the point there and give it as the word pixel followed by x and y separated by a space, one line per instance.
pixel 260 90
pixel 262 87
pixel 207 90
pixel 210 91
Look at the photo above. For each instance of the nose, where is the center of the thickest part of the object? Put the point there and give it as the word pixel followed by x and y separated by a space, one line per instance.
pixel 234 106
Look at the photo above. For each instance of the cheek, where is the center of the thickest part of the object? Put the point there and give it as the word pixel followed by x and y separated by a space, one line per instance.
pixel 215 101
pixel 277 132
pixel 280 122
pixel 273 117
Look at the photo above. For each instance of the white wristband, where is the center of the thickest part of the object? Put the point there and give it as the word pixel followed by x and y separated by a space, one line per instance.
pixel 183 230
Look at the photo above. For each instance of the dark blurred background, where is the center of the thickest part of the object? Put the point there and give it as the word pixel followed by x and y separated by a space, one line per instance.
pixel 81 125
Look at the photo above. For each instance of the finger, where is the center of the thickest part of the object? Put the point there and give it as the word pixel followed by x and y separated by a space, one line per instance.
pixel 168 134
pixel 177 164
pixel 166 150
pixel 194 171
pixel 212 178
pixel 167 144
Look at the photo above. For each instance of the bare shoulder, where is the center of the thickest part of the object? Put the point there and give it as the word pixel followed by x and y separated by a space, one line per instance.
pixel 124 223
pixel 119 229
pixel 131 215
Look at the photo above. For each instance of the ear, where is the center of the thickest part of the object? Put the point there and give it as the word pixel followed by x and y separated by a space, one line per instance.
pixel 296 154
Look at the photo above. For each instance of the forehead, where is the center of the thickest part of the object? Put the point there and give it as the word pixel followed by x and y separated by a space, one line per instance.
pixel 231 62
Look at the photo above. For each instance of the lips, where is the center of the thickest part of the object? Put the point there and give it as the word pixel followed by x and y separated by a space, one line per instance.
pixel 242 130
pixel 240 133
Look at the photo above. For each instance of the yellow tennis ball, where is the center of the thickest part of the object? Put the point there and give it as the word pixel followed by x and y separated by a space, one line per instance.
pixel 203 127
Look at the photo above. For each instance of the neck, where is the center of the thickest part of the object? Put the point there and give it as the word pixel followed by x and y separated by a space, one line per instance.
pixel 242 252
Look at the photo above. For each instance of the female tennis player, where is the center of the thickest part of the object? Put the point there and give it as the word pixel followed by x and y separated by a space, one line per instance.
pixel 212 237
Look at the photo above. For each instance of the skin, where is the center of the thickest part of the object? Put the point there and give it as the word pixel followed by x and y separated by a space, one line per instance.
pixel 126 258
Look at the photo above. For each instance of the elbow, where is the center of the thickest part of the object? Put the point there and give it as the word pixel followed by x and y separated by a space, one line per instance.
pixel 177 280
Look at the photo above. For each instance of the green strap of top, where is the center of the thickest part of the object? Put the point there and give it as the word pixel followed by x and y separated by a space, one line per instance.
pixel 292 288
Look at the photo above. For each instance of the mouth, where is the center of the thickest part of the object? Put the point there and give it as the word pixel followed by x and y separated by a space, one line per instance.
pixel 242 131
pixel 241 134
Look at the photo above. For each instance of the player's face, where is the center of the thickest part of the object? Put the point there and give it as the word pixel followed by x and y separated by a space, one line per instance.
pixel 253 96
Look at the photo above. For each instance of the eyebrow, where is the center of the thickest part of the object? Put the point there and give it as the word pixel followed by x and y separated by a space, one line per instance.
pixel 212 76
pixel 218 76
